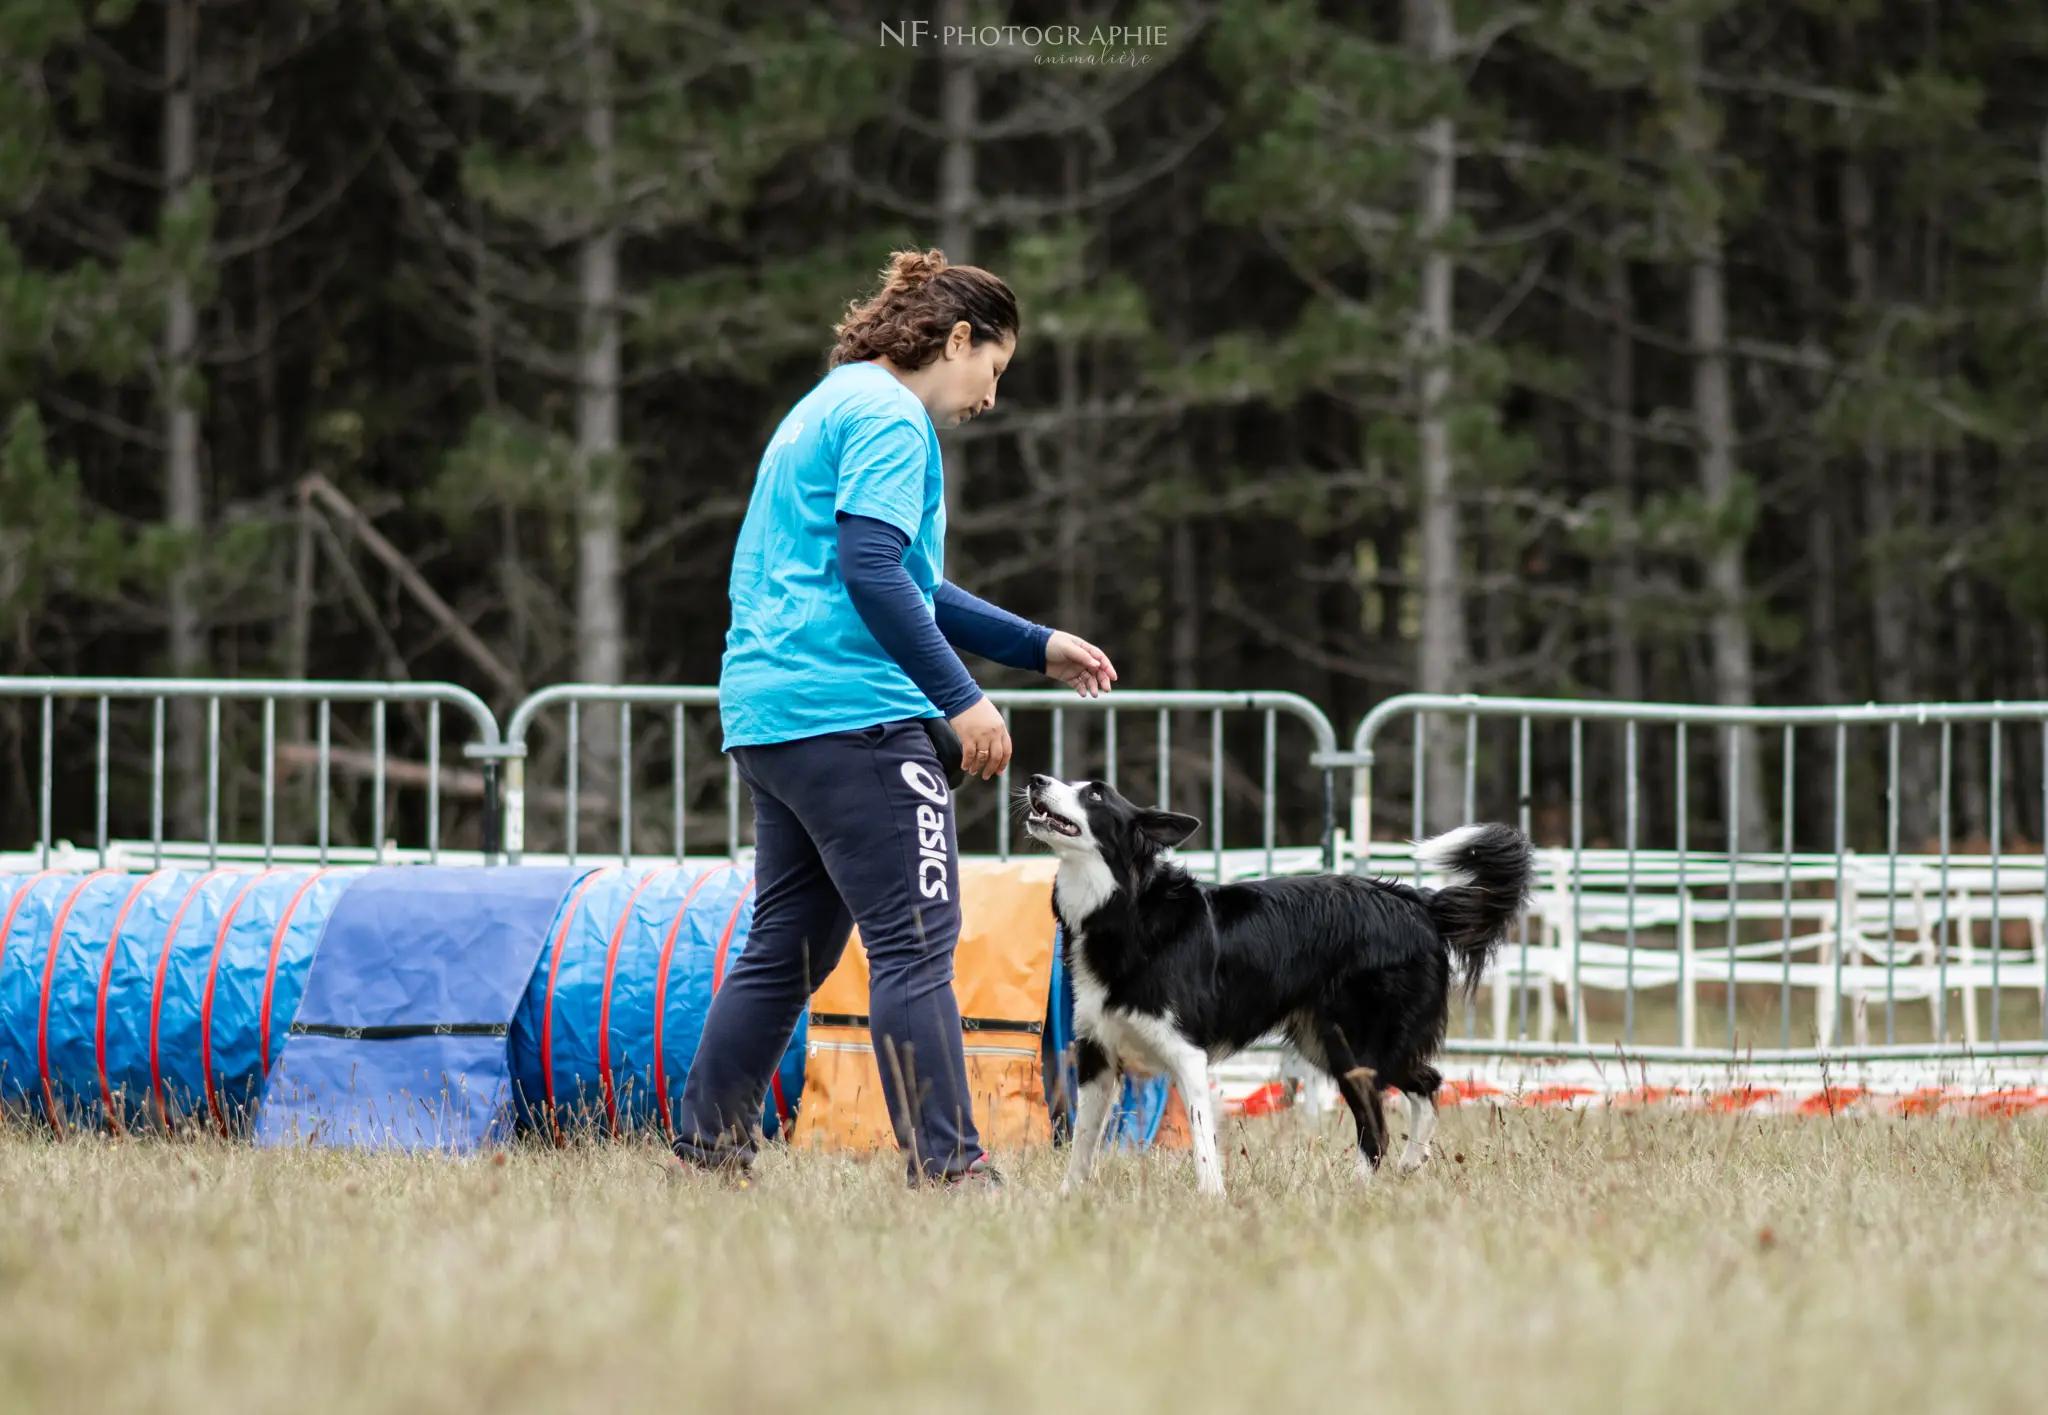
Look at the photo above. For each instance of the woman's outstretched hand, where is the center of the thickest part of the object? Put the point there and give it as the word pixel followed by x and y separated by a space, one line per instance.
pixel 1078 664
pixel 984 740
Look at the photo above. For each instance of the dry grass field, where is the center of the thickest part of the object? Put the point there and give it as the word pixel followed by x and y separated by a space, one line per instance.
pixel 1548 1261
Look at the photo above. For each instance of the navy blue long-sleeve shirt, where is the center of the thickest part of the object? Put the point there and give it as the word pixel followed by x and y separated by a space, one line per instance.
pixel 871 563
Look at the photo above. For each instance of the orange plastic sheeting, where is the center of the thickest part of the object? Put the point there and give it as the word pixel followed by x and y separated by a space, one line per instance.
pixel 1002 973
pixel 1173 1126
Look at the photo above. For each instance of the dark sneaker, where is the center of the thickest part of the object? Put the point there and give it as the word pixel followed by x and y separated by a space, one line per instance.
pixel 730 1164
pixel 981 1175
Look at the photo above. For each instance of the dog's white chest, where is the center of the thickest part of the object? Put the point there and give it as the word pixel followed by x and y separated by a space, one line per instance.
pixel 1142 1045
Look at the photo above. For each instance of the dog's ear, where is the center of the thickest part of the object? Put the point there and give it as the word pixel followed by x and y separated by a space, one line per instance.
pixel 1166 828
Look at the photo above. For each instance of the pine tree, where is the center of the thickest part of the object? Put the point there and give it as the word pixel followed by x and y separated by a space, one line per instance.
pixel 86 317
pixel 607 133
pixel 1690 198
pixel 1351 168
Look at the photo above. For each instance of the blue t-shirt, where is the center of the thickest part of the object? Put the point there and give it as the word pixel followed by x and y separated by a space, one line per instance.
pixel 799 660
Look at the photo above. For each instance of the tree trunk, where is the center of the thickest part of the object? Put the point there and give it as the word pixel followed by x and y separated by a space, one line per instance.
pixel 1626 678
pixel 1184 598
pixel 600 611
pixel 1891 579
pixel 1714 411
pixel 184 502
pixel 1076 472
pixel 1080 462
pixel 270 427
pixel 1713 404
pixel 299 618
pixel 1184 605
pixel 298 614
pixel 483 333
pixel 959 105
pixel 1072 553
pixel 1823 646
pixel 1823 624
pixel 1625 659
pixel 1442 652
pixel 959 100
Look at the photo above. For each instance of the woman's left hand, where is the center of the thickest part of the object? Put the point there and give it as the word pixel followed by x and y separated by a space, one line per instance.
pixel 1078 664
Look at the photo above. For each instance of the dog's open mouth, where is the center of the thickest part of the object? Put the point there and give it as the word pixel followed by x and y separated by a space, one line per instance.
pixel 1050 820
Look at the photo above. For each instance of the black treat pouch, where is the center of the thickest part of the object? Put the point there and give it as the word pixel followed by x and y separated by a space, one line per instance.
pixel 946 743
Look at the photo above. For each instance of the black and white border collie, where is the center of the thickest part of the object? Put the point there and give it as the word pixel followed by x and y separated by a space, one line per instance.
pixel 1170 973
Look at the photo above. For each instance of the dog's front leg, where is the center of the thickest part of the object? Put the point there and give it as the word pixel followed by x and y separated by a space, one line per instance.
pixel 1098 1079
pixel 1188 1065
pixel 1191 1076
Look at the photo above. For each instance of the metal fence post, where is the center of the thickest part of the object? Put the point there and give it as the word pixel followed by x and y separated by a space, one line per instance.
pixel 494 818
pixel 1329 818
pixel 514 806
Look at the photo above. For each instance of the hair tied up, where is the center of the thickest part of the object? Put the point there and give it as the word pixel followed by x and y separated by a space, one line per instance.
pixel 922 299
pixel 910 271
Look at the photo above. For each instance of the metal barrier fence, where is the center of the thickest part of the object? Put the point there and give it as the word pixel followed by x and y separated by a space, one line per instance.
pixel 355 788
pixel 1758 920
pixel 1293 781
pixel 1676 918
pixel 573 699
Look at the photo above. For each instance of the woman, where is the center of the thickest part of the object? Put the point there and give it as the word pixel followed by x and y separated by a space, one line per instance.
pixel 839 668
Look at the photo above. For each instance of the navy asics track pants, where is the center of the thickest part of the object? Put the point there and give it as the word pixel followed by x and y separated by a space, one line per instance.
pixel 850 827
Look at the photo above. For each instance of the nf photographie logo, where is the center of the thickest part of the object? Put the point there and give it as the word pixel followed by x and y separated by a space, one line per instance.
pixel 1048 44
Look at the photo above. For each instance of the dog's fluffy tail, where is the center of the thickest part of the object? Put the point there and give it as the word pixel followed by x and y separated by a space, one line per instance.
pixel 1493 873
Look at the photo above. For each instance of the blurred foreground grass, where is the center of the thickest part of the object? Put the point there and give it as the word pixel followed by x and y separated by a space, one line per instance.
pixel 1546 1261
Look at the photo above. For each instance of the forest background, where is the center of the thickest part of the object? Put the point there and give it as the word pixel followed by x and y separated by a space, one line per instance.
pixel 1680 350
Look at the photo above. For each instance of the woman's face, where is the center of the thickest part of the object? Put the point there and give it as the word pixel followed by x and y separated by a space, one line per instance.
pixel 967 374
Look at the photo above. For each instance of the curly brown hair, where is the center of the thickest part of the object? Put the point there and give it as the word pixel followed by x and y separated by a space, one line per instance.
pixel 920 301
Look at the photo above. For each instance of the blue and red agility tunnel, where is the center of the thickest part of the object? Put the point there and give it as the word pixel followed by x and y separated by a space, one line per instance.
pixel 410 1006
